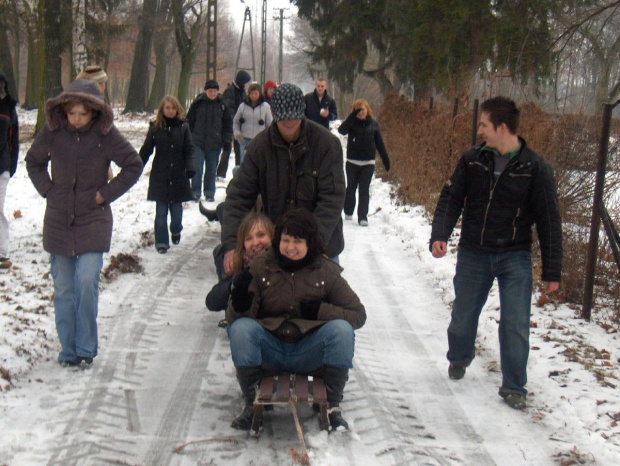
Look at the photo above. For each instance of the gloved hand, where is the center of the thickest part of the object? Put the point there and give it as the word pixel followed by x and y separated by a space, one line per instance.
pixel 309 308
pixel 386 165
pixel 190 173
pixel 240 297
pixel 356 111
pixel 227 147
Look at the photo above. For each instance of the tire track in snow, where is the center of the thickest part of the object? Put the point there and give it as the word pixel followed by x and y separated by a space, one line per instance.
pixel 107 413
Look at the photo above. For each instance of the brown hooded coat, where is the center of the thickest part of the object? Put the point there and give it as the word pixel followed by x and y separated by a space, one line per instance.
pixel 74 223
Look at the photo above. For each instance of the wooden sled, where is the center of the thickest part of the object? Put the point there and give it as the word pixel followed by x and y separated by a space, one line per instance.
pixel 290 389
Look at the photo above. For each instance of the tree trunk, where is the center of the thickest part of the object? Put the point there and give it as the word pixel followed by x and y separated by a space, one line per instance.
pixel 160 42
pixel 186 44
pixel 6 59
pixel 139 80
pixel 78 43
pixel 50 50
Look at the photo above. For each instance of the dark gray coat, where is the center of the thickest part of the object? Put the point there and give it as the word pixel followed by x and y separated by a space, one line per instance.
pixel 308 173
pixel 80 158
pixel 211 122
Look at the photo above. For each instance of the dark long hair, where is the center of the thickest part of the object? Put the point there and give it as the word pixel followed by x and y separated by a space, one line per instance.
pixel 299 223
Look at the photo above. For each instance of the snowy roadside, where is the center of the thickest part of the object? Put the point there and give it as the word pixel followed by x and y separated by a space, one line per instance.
pixel 573 368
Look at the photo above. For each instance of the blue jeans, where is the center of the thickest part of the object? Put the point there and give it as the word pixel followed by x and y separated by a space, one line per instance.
pixel 330 345
pixel 161 222
pixel 246 141
pixel 76 301
pixel 475 272
pixel 209 159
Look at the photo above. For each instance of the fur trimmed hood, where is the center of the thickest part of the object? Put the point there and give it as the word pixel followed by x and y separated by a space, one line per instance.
pixel 86 92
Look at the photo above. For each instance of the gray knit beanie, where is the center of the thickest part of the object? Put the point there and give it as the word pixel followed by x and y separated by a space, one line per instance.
pixel 287 103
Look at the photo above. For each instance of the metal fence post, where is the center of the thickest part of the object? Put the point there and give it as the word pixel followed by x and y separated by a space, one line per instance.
pixel 599 184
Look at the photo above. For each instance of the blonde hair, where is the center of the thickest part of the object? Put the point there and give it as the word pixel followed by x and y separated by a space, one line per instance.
pixel 248 223
pixel 359 103
pixel 159 119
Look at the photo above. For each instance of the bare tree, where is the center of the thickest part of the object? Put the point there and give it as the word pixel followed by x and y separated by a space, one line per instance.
pixel 78 39
pixel 189 21
pixel 139 80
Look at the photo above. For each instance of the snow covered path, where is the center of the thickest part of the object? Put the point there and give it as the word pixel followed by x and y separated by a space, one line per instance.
pixel 164 377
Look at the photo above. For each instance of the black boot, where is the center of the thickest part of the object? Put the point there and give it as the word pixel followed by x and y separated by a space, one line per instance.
pixel 335 379
pixel 210 214
pixel 248 378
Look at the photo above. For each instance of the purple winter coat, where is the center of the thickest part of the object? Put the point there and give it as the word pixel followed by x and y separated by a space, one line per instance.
pixel 80 158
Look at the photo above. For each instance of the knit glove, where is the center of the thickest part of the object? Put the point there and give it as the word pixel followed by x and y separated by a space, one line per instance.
pixel 386 164
pixel 309 308
pixel 240 297
pixel 227 147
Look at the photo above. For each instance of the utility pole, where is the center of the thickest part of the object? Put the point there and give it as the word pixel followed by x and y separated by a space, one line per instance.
pixel 280 18
pixel 263 58
pixel 212 39
pixel 246 17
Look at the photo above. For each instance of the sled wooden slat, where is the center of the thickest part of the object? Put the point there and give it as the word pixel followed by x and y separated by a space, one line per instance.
pixel 283 392
pixel 301 388
pixel 319 392
pixel 266 389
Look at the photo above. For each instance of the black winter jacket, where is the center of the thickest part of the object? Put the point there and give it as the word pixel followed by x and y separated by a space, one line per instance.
pixel 498 213
pixel 9 137
pixel 172 164
pixel 364 139
pixel 308 173
pixel 210 122
pixel 313 107
pixel 233 96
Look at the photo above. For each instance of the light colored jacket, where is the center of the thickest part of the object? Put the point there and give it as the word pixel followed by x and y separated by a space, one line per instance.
pixel 255 119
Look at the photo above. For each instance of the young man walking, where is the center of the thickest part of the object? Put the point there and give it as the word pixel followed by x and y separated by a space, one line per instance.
pixel 502 188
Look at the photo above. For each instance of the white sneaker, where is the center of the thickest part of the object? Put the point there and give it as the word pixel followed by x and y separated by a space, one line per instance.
pixel 348 217
pixel 363 223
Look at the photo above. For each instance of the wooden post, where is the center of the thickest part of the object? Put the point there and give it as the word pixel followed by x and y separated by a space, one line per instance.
pixel 599 184
pixel 456 108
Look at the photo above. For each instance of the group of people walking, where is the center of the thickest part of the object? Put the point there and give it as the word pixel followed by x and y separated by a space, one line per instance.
pixel 287 306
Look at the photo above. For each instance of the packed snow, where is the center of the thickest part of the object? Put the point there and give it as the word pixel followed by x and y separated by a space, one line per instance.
pixel 163 390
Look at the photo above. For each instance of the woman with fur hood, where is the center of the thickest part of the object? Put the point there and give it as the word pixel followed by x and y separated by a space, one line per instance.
pixel 68 165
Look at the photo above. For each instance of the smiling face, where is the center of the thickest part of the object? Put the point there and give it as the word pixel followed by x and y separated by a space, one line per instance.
pixel 289 129
pixel 487 132
pixel 293 248
pixel 78 116
pixel 169 109
pixel 363 112
pixel 256 240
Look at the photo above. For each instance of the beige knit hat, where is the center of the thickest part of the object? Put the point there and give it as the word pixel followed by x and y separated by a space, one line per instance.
pixel 94 73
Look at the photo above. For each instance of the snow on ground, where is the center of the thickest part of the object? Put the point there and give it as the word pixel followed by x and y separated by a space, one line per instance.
pixel 164 378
